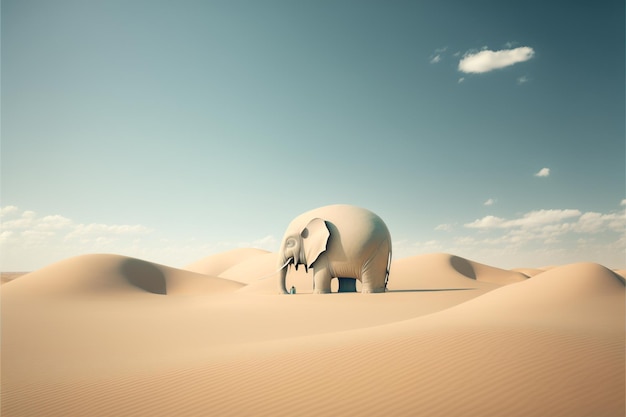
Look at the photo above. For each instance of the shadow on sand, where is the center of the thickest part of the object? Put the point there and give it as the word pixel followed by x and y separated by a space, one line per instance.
pixel 144 275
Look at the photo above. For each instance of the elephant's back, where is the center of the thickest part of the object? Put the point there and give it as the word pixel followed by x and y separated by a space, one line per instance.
pixel 344 214
pixel 357 224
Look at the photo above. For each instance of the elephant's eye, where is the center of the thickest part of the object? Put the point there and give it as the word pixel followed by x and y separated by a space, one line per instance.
pixel 290 243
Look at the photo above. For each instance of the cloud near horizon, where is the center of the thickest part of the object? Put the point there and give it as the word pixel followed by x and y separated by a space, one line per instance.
pixel 549 226
pixel 488 60
pixel 530 219
pixel 547 237
pixel 446 227
pixel 31 230
pixel 29 241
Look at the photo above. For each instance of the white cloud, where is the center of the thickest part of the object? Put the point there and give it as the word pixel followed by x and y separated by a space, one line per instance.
pixel 541 217
pixel 593 222
pixel 553 228
pixel 528 220
pixel 7 210
pixel 522 80
pixel 487 222
pixel 55 222
pixel 26 219
pixel 29 241
pixel 5 235
pixel 26 235
pixel 489 202
pixel 94 230
pixel 461 80
pixel 543 172
pixel 536 238
pixel 487 60
pixel 444 227
pixel 623 202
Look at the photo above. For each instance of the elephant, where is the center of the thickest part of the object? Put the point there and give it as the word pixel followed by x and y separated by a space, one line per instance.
pixel 338 241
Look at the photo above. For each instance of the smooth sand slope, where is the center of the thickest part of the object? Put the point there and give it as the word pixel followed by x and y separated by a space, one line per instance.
pixel 217 264
pixel 103 335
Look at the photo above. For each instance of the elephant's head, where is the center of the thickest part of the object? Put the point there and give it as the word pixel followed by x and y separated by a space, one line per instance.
pixel 302 246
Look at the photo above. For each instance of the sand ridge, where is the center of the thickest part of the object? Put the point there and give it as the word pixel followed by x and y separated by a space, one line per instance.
pixel 95 335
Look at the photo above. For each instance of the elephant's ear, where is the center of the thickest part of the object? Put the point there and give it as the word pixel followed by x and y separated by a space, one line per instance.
pixel 314 239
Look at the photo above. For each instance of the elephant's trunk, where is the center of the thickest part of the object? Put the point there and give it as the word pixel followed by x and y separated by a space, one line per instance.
pixel 284 265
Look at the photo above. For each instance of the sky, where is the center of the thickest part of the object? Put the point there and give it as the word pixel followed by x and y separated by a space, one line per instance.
pixel 173 130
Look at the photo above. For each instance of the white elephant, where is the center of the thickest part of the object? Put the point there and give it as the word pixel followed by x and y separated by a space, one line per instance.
pixel 338 241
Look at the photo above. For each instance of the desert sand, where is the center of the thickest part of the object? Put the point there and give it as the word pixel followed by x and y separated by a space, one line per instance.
pixel 108 335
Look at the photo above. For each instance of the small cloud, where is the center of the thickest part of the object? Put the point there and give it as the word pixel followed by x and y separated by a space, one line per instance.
pixel 522 80
pixel 623 202
pixel 437 56
pixel 487 222
pixel 487 60
pixel 444 227
pixel 7 210
pixel 489 202
pixel 461 80
pixel 543 172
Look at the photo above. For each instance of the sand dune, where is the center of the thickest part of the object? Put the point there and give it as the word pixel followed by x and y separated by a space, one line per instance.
pixel 583 296
pixel 252 269
pixel 104 274
pixel 442 270
pixel 218 263
pixel 452 337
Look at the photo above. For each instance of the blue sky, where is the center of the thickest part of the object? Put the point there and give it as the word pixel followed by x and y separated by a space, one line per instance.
pixel 170 130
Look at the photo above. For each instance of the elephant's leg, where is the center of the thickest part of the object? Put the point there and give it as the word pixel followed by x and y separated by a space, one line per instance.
pixel 373 274
pixel 374 270
pixel 321 278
